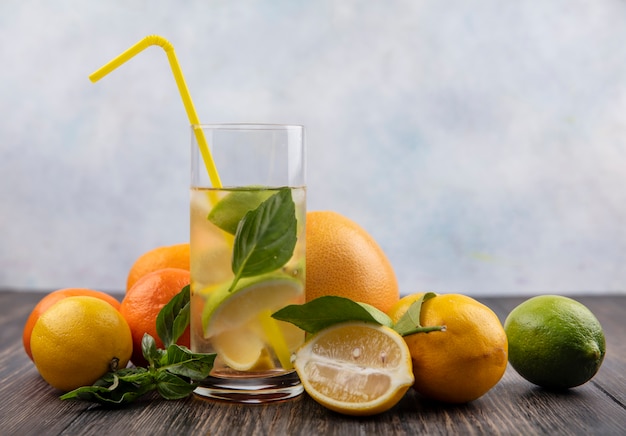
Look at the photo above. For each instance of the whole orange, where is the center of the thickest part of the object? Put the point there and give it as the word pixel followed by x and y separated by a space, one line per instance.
pixel 170 256
pixel 464 360
pixel 46 302
pixel 342 259
pixel 143 302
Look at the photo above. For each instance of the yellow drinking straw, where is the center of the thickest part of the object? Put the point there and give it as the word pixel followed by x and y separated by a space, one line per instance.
pixel 182 88
pixel 275 337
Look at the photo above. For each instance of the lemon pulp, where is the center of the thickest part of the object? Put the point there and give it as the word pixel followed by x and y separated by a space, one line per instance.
pixel 355 368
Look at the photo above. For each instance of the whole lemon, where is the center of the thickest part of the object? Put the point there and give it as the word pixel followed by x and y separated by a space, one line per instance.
pixel 555 341
pixel 52 298
pixel 463 360
pixel 78 340
pixel 342 259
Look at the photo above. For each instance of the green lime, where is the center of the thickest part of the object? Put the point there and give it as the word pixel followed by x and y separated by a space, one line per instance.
pixel 554 342
pixel 225 309
pixel 231 209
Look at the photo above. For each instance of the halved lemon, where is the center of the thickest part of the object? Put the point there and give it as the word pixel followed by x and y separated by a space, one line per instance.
pixel 240 327
pixel 355 368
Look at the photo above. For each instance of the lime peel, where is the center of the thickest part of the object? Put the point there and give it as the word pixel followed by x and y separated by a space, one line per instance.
pixel 220 295
pixel 554 341
pixel 253 301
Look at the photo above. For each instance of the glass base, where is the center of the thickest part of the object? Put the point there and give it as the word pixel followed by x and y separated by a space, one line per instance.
pixel 251 390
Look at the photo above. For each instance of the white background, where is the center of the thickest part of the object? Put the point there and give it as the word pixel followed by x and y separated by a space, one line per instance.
pixel 482 143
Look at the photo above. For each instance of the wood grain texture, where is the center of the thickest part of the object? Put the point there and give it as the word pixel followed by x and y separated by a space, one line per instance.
pixel 30 407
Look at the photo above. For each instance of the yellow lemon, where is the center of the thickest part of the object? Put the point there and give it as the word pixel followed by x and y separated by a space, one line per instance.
pixel 355 368
pixel 466 358
pixel 78 340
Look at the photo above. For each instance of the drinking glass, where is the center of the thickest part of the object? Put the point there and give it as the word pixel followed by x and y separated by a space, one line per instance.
pixel 248 258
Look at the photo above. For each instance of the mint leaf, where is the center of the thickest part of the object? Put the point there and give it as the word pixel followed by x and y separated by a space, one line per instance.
pixel 230 210
pixel 172 387
pixel 409 323
pixel 170 374
pixel 266 237
pixel 149 349
pixel 115 388
pixel 106 396
pixel 181 361
pixel 329 310
pixel 381 317
pixel 173 318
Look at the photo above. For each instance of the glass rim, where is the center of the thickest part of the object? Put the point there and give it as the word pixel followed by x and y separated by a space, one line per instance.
pixel 247 126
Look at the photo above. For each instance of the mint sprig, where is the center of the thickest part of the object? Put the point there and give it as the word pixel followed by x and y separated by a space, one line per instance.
pixel 264 241
pixel 265 237
pixel 173 318
pixel 170 371
pixel 326 311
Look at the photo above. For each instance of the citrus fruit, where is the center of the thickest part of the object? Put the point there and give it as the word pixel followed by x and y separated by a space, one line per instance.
pixel 78 340
pixel 554 341
pixel 466 358
pixel 170 256
pixel 403 304
pixel 231 209
pixel 239 323
pixel 46 302
pixel 143 302
pixel 342 259
pixel 355 368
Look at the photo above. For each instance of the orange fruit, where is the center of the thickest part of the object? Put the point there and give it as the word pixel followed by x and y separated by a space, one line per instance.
pixel 355 368
pixel 143 302
pixel 170 256
pixel 342 259
pixel 46 302
pixel 78 340
pixel 464 360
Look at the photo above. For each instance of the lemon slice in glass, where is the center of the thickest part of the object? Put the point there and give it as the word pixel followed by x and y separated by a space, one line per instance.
pixel 355 368
pixel 239 349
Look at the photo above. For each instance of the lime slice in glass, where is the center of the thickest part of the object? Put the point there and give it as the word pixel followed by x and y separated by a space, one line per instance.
pixel 240 326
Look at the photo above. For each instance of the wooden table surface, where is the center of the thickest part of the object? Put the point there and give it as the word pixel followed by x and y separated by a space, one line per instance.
pixel 28 406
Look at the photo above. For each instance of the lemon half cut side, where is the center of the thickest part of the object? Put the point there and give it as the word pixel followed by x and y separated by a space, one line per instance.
pixel 355 368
